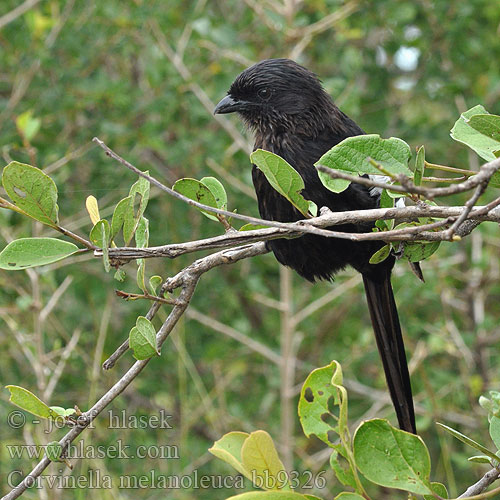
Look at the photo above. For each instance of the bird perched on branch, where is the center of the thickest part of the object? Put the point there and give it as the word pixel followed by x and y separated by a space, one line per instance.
pixel 286 107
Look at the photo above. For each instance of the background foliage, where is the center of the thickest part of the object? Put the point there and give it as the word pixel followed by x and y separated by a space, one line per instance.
pixel 144 76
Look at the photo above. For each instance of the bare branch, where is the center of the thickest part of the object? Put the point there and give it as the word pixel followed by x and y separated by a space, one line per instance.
pixel 477 488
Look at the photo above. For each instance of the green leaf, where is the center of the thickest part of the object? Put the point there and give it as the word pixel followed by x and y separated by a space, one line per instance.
pixel 32 252
pixel 197 191
pixel 418 251
pixel 352 155
pixel 120 275
pixel 63 412
pixel 283 178
pixel 381 254
pixel 269 495
pixel 260 458
pixel 100 234
pixel 317 400
pixel 53 450
pixel 101 237
pixel 344 474
pixel 334 185
pixel 141 241
pixel 480 459
pixel 386 201
pixel 439 489
pixel 26 400
pixel 484 145
pixel 488 125
pixel 228 449
pixel 32 191
pixel 382 225
pixel 349 496
pixel 140 190
pixel 467 440
pixel 492 406
pixel 119 213
pixel 391 457
pixel 142 339
pixel 27 125
pixel 142 233
pixel 154 283
pixel 139 194
pixel 252 227
pixel 218 191
pixel 495 430
pixel 419 166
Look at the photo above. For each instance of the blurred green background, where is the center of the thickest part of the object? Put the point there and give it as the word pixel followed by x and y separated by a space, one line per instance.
pixel 144 77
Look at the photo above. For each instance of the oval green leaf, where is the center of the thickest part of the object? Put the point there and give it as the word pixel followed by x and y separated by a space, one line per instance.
pixel 391 457
pixel 142 339
pixel 119 213
pixel 380 255
pixel 28 125
pixel 283 178
pixel 228 449
pixel 26 400
pixel 32 252
pixel 317 398
pixel 418 251
pixel 352 154
pixel 261 460
pixel 197 191
pixel 463 131
pixel 32 191
pixel 154 282
pixel 217 189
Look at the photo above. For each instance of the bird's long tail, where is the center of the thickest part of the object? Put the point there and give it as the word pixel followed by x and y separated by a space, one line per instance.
pixel 385 321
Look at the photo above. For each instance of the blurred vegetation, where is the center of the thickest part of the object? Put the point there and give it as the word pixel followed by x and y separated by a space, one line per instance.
pixel 144 76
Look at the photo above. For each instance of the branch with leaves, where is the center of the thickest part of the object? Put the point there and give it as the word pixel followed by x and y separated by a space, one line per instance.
pixel 413 232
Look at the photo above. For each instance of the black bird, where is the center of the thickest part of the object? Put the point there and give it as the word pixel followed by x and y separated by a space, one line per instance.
pixel 286 107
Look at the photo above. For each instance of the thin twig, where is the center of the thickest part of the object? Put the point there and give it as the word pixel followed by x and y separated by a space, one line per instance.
pixel 468 206
pixel 201 265
pixel 484 175
pixel 474 492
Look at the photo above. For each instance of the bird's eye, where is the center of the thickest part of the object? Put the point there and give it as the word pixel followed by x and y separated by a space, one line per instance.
pixel 264 93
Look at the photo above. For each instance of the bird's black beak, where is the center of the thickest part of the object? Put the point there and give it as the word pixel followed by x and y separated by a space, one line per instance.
pixel 229 105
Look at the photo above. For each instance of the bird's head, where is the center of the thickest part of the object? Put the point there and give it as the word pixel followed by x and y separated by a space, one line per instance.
pixel 276 93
